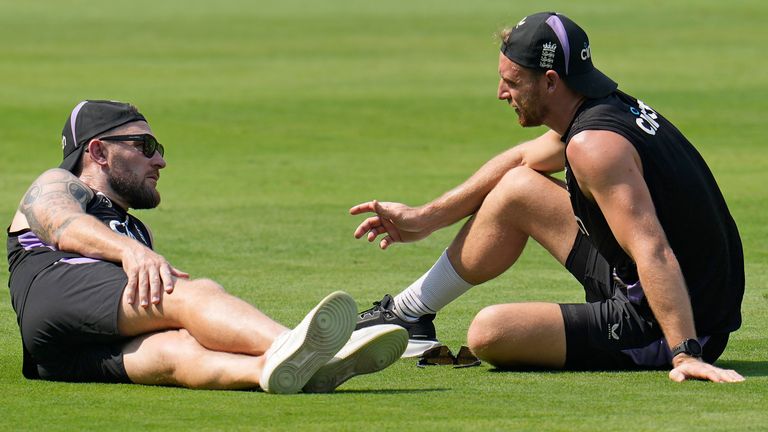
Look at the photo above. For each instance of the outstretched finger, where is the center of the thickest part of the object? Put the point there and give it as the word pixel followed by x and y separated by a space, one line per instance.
pixel 386 242
pixel 178 273
pixel 366 226
pixel 728 375
pixel 366 207
pixel 373 233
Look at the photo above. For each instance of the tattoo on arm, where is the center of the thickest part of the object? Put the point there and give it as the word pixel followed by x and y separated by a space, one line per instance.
pixel 80 193
pixel 31 196
pixel 63 225
pixel 52 203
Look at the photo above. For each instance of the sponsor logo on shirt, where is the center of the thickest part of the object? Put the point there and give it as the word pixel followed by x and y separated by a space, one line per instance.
pixel 646 117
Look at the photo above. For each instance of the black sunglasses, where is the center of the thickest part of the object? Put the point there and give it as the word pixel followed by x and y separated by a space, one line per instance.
pixel 149 143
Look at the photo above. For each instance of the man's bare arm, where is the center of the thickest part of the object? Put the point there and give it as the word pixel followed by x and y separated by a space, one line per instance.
pixel 402 223
pixel 609 171
pixel 544 154
pixel 54 208
pixel 53 202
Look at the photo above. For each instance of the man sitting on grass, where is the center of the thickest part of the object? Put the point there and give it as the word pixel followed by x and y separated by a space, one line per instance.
pixel 95 302
pixel 639 221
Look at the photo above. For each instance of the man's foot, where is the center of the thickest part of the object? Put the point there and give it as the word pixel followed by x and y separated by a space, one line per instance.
pixel 421 333
pixel 369 350
pixel 296 355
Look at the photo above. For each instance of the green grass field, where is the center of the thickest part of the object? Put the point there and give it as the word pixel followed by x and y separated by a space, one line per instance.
pixel 277 116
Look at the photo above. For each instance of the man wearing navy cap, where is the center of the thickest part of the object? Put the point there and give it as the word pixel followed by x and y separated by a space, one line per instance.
pixel 639 221
pixel 96 303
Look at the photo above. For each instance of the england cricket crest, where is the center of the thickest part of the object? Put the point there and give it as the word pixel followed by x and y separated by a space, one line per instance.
pixel 548 55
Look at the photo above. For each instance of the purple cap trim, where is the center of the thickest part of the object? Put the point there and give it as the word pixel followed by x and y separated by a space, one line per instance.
pixel 557 26
pixel 73 120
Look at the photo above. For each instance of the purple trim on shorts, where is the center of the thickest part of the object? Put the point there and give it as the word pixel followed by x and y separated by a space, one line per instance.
pixel 557 26
pixel 73 120
pixel 81 260
pixel 635 293
pixel 655 354
pixel 29 240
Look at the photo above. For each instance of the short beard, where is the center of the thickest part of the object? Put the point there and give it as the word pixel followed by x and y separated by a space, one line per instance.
pixel 131 188
pixel 535 116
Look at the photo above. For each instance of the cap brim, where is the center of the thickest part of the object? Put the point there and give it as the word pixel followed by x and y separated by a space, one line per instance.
pixel 593 84
pixel 71 162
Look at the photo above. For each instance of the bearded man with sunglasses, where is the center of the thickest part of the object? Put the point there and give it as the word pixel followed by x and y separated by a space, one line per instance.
pixel 96 303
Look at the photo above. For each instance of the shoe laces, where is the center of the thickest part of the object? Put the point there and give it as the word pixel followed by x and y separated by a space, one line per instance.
pixel 378 306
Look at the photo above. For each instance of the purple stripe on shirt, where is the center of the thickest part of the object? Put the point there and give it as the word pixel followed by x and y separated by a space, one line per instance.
pixel 557 26
pixel 77 260
pixel 29 240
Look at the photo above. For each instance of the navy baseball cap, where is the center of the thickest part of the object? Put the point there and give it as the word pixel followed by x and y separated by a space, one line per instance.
pixel 87 120
pixel 549 40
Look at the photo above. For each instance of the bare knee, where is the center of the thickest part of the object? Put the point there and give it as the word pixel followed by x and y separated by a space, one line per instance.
pixel 486 332
pixel 519 334
pixel 515 188
pixel 157 359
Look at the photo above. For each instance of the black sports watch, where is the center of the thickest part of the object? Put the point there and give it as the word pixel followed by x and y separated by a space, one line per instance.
pixel 692 347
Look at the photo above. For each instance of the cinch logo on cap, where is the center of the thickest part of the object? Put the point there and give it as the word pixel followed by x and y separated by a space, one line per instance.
pixel 586 52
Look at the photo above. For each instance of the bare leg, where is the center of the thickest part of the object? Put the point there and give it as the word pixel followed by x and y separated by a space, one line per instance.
pixel 519 334
pixel 174 357
pixel 523 204
pixel 216 319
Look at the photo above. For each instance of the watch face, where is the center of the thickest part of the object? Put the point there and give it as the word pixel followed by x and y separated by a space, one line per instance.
pixel 693 347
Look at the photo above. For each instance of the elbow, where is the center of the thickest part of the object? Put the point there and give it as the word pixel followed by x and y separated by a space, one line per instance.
pixel 59 233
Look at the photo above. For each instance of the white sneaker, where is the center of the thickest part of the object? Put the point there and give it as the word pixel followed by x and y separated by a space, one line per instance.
pixel 296 355
pixel 369 350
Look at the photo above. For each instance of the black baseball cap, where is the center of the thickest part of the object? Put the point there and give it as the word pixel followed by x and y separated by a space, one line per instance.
pixel 87 120
pixel 549 40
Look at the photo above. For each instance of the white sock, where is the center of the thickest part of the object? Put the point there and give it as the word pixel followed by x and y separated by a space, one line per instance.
pixel 439 286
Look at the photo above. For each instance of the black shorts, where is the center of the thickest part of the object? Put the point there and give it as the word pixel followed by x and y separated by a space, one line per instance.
pixel 615 329
pixel 69 322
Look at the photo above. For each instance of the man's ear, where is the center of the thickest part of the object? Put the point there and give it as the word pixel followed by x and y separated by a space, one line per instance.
pixel 96 151
pixel 552 79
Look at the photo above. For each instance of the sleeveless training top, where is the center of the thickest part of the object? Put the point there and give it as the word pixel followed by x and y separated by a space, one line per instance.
pixel 688 203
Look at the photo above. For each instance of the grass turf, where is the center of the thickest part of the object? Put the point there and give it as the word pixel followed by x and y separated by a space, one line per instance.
pixel 279 115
